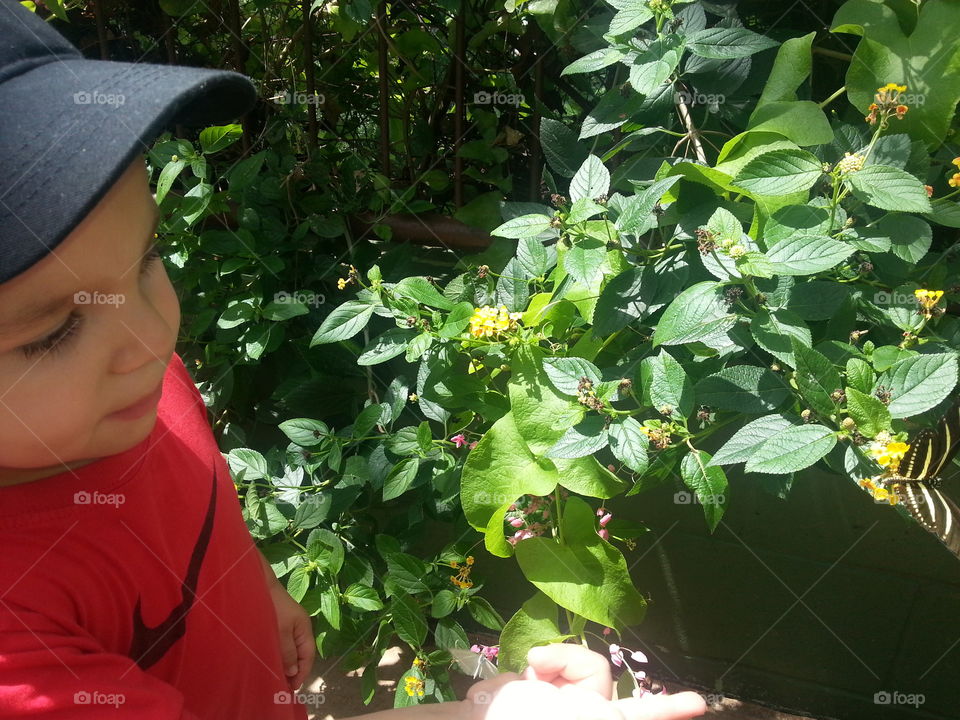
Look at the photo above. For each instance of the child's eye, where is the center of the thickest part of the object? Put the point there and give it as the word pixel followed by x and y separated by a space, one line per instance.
pixel 153 254
pixel 57 340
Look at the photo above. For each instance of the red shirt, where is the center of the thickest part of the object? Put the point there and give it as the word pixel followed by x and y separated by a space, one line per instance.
pixel 131 588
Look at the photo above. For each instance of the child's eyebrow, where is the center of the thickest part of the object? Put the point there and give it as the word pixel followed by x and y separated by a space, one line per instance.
pixel 34 313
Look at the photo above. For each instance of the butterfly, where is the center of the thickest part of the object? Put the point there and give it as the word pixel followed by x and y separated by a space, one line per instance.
pixel 917 479
pixel 474 664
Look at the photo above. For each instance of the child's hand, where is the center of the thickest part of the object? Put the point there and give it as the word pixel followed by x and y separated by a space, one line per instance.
pixel 569 682
pixel 297 646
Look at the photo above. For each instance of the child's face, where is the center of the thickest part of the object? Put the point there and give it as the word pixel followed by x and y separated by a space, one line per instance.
pixel 57 398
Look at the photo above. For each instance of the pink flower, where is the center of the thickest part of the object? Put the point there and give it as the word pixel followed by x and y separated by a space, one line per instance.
pixel 489 652
pixel 604 533
pixel 605 519
pixel 517 522
pixel 601 511
pixel 616 656
pixel 473 444
pixel 638 657
pixel 639 674
pixel 459 440
pixel 607 631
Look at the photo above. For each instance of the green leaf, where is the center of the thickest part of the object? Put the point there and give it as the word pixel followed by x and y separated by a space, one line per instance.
pixel 775 330
pixel 408 620
pixel 588 437
pixel 419 345
pixel 591 180
pixel 523 226
pixel 449 634
pixel 457 320
pixel 807 254
pixel 482 611
pixel 725 43
pixel 636 212
pixel 698 312
pixel 532 257
pixel 169 173
pixel 326 549
pixel 859 375
pixel 400 479
pixel 343 323
pixel 919 383
pixel 779 172
pixel 560 145
pixel 870 415
pixel 421 290
pixel 298 583
pixel 920 52
pixel 801 121
pixel 888 188
pixel 629 18
pixel 665 382
pixel 587 476
pixel 629 444
pixel 406 572
pixel 817 299
pixel 312 511
pixel 565 373
pixel 534 623
pixel 214 139
pixel 709 482
pixel 444 603
pixel 795 448
pixel 816 378
pixel 910 236
pixel 596 60
pixel 584 261
pixel 585 573
pixel 362 597
pixel 582 210
pixel 796 220
pixel 304 431
pixel 743 388
pixel 745 442
pixel 500 469
pixel 386 346
pixel 540 413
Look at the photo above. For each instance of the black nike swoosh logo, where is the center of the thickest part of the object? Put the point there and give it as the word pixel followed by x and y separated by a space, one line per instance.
pixel 149 644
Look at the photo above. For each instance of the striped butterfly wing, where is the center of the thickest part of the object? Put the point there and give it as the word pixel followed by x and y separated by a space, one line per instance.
pixel 919 473
pixel 948 440
pixel 935 512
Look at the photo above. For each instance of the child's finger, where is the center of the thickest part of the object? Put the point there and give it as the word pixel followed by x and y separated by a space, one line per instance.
pixel 306 650
pixel 565 663
pixel 681 706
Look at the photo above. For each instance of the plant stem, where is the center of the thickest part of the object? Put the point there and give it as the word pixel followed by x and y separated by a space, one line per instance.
pixel 833 97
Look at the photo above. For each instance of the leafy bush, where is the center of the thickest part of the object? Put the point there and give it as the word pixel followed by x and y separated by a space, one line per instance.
pixel 777 307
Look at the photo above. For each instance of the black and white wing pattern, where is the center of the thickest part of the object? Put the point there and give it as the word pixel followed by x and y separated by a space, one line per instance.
pixel 916 482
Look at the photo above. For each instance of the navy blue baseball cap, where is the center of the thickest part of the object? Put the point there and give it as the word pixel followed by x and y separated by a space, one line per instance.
pixel 70 126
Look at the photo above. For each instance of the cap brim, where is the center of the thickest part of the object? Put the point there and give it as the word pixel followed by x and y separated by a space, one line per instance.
pixel 69 129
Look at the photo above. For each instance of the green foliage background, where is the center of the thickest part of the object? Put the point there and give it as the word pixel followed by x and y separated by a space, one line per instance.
pixel 701 283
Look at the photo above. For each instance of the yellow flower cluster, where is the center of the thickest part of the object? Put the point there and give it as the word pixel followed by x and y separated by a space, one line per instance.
pixel 880 494
pixel 887 103
pixel 462 579
pixel 413 686
pixel 954 180
pixel 928 298
pixel 889 455
pixel 349 279
pixel 489 321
